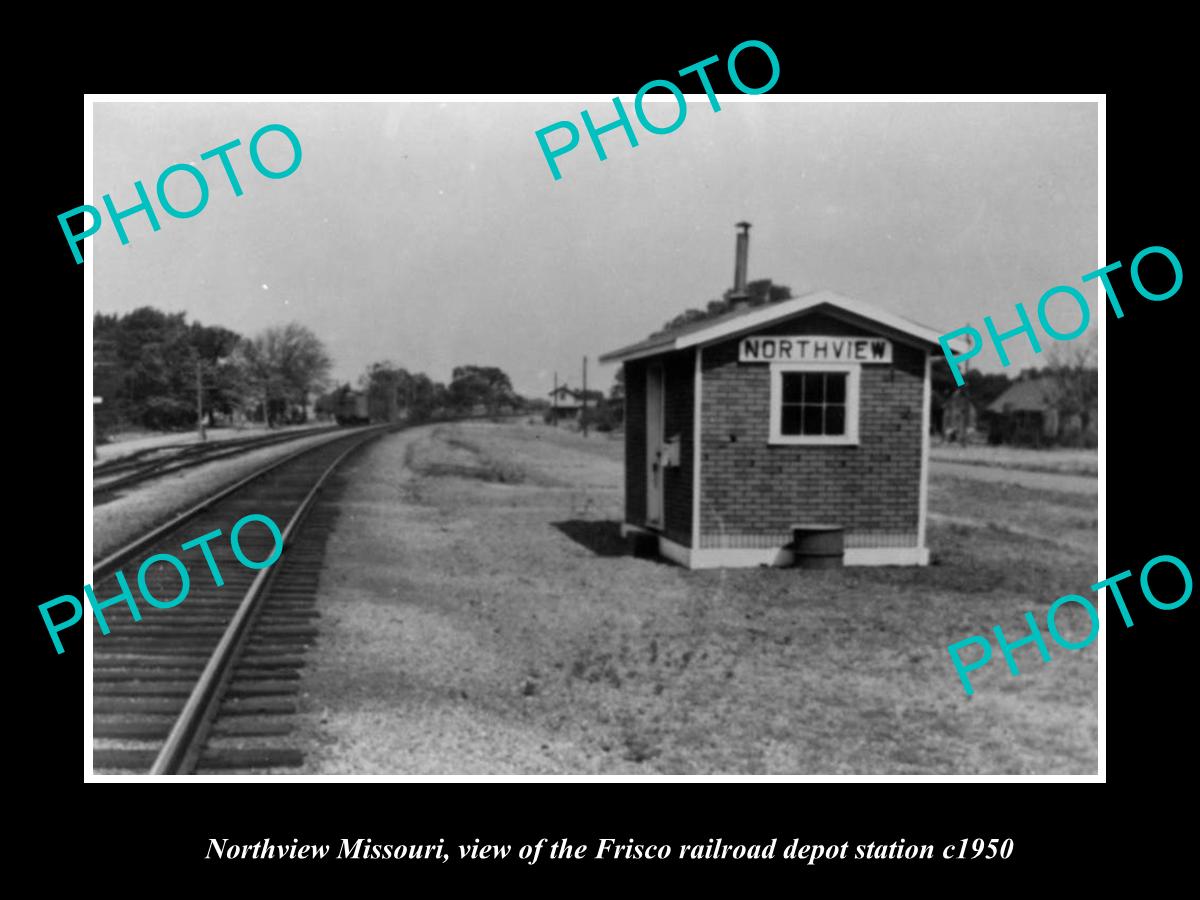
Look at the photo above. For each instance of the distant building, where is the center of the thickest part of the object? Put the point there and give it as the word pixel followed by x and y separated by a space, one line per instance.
pixel 812 411
pixel 1024 414
pixel 565 404
pixel 1032 412
pixel 959 418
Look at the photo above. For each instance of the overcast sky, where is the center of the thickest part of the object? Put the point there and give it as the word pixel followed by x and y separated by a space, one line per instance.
pixel 433 235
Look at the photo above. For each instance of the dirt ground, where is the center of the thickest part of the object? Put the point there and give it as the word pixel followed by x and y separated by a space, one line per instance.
pixel 1030 478
pixel 480 616
pixel 1062 460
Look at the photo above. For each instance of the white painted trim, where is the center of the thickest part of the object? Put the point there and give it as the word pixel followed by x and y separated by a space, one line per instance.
pixel 747 558
pixel 655 350
pixel 625 447
pixel 850 438
pixel 926 420
pixel 696 432
pixel 740 558
pixel 766 315
pixel 677 553
pixel 887 556
pixel 628 528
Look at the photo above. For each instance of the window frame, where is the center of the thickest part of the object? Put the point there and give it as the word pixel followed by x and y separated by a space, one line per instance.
pixel 852 371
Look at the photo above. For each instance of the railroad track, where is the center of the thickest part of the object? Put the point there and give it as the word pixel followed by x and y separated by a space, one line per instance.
pixel 211 684
pixel 112 476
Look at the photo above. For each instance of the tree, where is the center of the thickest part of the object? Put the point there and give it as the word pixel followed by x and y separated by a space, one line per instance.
pixel 687 317
pixel 981 387
pixel 422 397
pixel 394 393
pixel 281 366
pixel 480 385
pixel 441 398
pixel 213 351
pixel 386 388
pixel 986 386
pixel 256 379
pixel 760 292
pixel 303 363
pixel 1072 369
pixel 146 365
pixel 617 391
pixel 141 350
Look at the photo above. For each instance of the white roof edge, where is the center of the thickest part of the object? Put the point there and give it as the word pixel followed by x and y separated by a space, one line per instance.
pixel 767 314
pixel 782 310
pixel 657 349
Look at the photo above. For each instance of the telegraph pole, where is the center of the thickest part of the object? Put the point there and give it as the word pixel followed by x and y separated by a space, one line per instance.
pixel 95 452
pixel 583 412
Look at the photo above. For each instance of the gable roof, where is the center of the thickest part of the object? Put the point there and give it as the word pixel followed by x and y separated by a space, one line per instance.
pixel 1027 395
pixel 740 321
pixel 562 391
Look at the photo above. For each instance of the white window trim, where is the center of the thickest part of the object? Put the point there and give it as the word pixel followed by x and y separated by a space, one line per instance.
pixel 850 438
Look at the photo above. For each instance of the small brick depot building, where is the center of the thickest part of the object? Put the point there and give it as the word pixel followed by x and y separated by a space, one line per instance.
pixel 809 410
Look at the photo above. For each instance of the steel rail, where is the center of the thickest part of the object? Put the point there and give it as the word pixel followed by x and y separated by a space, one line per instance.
pixel 110 562
pixel 195 455
pixel 181 750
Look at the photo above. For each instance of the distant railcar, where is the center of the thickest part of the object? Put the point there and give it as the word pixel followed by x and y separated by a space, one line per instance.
pixel 350 408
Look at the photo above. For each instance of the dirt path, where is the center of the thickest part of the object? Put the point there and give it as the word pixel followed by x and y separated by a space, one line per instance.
pixel 1046 481
pixel 479 617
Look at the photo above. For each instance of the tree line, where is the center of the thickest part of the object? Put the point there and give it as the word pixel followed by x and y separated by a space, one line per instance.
pixel 158 371
pixel 759 293
pixel 395 394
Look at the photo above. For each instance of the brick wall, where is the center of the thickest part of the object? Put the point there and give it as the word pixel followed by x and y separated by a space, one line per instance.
pixel 752 487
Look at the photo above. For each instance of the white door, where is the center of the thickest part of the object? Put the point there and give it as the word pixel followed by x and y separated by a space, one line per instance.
pixel 654 445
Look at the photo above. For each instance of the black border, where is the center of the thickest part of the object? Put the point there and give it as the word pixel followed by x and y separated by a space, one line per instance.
pixel 1056 827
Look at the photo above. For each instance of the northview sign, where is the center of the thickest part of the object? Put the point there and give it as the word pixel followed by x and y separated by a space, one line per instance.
pixel 814 348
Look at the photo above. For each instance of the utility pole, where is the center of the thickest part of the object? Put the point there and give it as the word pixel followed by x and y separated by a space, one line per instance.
pixel 95 452
pixel 554 400
pixel 103 363
pixel 583 412
pixel 200 398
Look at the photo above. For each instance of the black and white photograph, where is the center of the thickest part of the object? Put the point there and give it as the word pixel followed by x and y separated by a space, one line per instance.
pixel 440 437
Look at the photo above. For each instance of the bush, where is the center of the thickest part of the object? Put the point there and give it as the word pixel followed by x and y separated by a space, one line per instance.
pixel 605 417
pixel 167 413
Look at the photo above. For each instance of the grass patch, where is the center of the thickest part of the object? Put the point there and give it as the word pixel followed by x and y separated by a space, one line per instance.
pixel 1055 460
pixel 447 454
